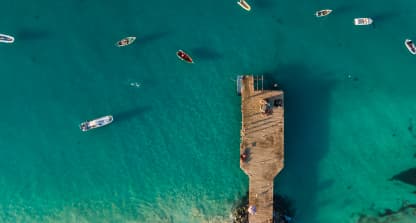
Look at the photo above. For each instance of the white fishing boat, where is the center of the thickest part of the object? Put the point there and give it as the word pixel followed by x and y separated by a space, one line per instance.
pixel 6 38
pixel 125 41
pixel 322 13
pixel 410 46
pixel 244 5
pixel 363 21
pixel 96 123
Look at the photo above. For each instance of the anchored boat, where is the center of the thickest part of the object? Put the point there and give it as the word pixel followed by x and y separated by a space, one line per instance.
pixel 410 46
pixel 244 5
pixel 363 21
pixel 96 123
pixel 125 41
pixel 6 38
pixel 183 56
pixel 322 13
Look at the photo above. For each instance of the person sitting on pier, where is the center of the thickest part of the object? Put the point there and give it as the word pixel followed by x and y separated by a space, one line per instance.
pixel 243 157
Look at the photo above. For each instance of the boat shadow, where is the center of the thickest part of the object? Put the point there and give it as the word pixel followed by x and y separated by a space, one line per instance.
pixel 205 53
pixel 264 4
pixel 130 114
pixel 382 17
pixel 32 34
pixel 149 38
pixel 344 9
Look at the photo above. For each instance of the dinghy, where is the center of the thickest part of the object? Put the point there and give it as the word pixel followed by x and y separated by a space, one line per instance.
pixel 410 46
pixel 363 21
pixel 125 41
pixel 322 13
pixel 6 38
pixel 244 5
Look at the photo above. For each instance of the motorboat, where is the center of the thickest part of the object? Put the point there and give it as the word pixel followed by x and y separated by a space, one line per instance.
pixel 96 123
pixel 363 21
pixel 244 5
pixel 125 41
pixel 183 56
pixel 322 13
pixel 6 38
pixel 410 46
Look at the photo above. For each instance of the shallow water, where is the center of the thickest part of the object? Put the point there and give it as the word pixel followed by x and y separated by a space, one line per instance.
pixel 172 153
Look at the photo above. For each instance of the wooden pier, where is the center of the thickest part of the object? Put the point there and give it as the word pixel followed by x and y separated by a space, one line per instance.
pixel 262 144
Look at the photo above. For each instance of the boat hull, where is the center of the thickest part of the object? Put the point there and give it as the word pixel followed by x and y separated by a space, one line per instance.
pixel 96 123
pixel 363 21
pixel 184 56
pixel 410 46
pixel 6 38
pixel 322 13
pixel 125 41
pixel 244 5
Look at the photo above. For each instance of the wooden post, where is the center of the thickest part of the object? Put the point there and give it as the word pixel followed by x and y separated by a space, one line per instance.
pixel 257 80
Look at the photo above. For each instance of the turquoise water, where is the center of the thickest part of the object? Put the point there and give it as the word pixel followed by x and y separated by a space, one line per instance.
pixel 172 153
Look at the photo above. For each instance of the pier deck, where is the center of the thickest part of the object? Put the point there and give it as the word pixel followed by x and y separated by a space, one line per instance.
pixel 262 142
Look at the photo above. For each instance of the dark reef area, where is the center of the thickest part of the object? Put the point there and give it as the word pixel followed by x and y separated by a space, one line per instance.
pixel 405 214
pixel 407 176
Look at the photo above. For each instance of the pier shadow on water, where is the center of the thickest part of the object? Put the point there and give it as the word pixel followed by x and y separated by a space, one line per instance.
pixel 306 104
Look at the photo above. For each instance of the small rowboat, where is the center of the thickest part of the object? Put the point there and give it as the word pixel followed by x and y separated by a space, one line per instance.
pixel 244 5
pixel 410 46
pixel 183 56
pixel 6 38
pixel 126 41
pixel 363 21
pixel 322 13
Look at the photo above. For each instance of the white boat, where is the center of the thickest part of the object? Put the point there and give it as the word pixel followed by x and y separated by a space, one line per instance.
pixel 363 21
pixel 125 41
pixel 239 84
pixel 96 123
pixel 410 46
pixel 323 12
pixel 244 5
pixel 6 38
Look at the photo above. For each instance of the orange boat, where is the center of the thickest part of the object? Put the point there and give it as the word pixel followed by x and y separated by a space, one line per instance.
pixel 183 56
